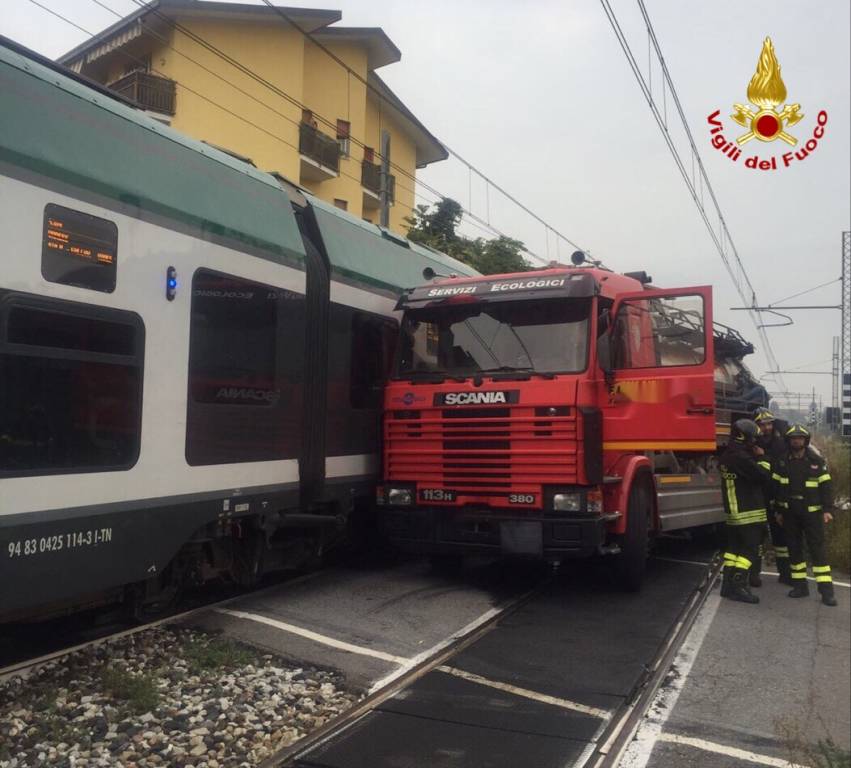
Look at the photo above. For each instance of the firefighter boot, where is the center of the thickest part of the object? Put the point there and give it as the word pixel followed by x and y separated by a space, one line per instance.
pixel 754 578
pixel 727 581
pixel 783 570
pixel 826 591
pixel 739 590
pixel 801 589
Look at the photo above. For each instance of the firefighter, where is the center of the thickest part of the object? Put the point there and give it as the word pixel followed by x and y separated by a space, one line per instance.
pixel 805 511
pixel 746 474
pixel 771 439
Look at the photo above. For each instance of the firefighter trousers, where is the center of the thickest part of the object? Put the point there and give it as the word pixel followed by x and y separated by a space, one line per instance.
pixel 743 543
pixel 778 538
pixel 801 525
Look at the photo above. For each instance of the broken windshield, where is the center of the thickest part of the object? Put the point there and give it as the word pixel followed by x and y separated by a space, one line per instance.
pixel 548 336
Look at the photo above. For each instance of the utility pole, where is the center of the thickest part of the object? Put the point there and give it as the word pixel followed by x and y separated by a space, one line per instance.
pixel 384 189
pixel 846 335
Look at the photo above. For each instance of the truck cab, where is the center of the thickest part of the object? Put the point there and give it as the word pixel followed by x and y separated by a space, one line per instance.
pixel 530 414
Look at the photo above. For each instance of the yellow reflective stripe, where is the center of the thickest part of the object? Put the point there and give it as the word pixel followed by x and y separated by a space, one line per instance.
pixel 780 478
pixel 731 496
pixel 823 478
pixel 811 483
pixel 781 551
pixel 798 566
pixel 743 562
pixel 821 569
pixel 825 578
pixel 783 504
pixel 798 574
pixel 814 508
pixel 729 556
pixel 764 464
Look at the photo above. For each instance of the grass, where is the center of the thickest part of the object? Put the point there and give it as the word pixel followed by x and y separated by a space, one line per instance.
pixel 823 753
pixel 838 533
pixel 138 691
pixel 216 653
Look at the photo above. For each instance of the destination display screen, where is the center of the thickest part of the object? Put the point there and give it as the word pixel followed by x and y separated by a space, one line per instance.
pixel 78 249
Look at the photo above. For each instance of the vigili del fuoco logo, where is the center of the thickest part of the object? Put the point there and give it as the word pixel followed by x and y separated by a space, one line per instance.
pixel 763 121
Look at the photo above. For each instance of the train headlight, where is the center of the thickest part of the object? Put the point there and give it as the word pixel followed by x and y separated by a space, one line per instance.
pixel 400 496
pixel 567 502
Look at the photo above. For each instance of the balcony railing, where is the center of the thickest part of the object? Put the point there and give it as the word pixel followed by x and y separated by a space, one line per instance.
pixel 152 92
pixel 370 178
pixel 318 147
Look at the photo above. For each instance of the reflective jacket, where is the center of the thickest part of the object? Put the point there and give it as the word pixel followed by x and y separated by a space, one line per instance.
pixel 745 484
pixel 807 482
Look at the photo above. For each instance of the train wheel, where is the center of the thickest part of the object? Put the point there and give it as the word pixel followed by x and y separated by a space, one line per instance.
pixel 631 563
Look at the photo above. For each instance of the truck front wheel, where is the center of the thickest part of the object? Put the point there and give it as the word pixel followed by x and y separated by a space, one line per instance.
pixel 631 562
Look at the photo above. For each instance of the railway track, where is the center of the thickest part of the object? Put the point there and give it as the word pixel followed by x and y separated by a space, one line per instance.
pixel 595 728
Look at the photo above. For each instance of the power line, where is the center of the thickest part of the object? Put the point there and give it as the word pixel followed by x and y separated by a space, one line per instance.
pixel 352 73
pixel 809 290
pixel 472 218
pixel 283 94
pixel 735 267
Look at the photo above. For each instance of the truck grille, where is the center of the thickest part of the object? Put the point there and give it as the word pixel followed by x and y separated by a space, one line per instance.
pixel 482 449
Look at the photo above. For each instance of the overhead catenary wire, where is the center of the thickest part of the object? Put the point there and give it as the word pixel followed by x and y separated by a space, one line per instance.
pixel 472 219
pixel 735 268
pixel 288 97
pixel 472 168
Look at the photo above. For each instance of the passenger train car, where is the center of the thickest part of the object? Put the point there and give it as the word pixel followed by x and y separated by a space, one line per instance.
pixel 191 354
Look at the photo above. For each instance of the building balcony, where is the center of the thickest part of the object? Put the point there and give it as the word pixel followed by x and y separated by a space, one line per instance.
pixel 319 154
pixel 156 94
pixel 370 179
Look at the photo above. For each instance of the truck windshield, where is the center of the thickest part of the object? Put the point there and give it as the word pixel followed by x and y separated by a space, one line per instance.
pixel 548 336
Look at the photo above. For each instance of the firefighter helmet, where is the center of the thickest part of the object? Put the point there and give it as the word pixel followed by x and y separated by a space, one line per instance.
pixel 798 430
pixel 763 416
pixel 744 431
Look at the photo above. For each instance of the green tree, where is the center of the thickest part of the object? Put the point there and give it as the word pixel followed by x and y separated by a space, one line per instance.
pixel 437 228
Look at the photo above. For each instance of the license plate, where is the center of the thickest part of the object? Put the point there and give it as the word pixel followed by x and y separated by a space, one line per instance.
pixel 521 537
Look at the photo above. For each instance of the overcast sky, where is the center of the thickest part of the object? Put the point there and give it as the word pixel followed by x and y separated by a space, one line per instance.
pixel 540 98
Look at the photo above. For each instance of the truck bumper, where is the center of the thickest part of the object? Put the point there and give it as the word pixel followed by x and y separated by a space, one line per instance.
pixel 450 531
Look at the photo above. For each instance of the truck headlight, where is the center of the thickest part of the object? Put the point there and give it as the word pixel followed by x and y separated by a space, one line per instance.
pixel 567 502
pixel 400 496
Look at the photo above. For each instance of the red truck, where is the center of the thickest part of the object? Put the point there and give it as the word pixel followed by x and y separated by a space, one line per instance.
pixel 557 413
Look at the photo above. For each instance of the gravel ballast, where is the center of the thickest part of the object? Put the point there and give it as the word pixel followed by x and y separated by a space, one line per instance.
pixel 163 697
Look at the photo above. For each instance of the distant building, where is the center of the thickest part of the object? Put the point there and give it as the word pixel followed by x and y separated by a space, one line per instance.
pixel 169 58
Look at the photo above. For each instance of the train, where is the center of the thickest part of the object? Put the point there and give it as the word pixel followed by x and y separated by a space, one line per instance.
pixel 192 355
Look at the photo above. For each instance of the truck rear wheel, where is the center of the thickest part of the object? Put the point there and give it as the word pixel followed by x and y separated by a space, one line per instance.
pixel 631 563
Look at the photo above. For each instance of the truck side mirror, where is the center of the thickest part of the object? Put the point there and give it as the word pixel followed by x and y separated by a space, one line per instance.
pixel 604 353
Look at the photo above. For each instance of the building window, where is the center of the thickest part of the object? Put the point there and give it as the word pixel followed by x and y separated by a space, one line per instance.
pixel 245 382
pixel 343 205
pixel 70 387
pixel 368 155
pixel 343 133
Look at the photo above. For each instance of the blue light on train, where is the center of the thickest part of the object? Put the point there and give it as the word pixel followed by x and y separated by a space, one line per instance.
pixel 170 283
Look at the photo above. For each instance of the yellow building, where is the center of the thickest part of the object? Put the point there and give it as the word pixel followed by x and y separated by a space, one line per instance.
pixel 244 79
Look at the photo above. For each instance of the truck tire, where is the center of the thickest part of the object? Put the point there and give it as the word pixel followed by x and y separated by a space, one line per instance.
pixel 631 563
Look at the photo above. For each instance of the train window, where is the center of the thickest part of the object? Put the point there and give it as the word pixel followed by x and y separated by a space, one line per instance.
pixel 360 353
pixel 245 371
pixel 78 249
pixel 373 346
pixel 70 388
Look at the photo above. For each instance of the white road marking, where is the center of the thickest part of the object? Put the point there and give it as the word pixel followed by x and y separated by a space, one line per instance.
pixel 315 636
pixel 526 693
pixel 684 562
pixel 638 752
pixel 723 749
pixel 809 578
pixel 437 648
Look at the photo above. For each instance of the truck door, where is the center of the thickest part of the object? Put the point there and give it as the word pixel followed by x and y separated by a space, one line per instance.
pixel 661 393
